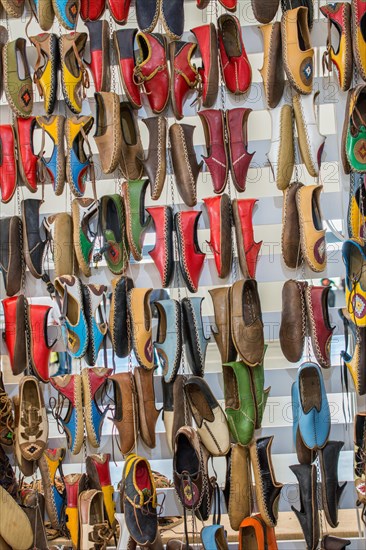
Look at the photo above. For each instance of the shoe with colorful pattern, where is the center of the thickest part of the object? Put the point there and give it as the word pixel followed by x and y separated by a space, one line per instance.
pixel 78 163
pixel 67 12
pixel 93 379
pixel 74 75
pixel 354 258
pixel 45 69
pixel 99 478
pixel 95 300
pixel 54 127
pixel 49 463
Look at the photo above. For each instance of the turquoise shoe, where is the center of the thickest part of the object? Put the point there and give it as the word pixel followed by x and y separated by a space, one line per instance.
pixel 213 537
pixel 78 163
pixel 95 299
pixel 67 12
pixel 93 380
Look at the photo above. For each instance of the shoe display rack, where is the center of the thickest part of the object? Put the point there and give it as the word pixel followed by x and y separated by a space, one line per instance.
pixel 264 129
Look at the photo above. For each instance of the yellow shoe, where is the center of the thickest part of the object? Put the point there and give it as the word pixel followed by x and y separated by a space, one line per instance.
pixel 45 69
pixel 99 477
pixel 354 258
pixel 74 483
pixel 74 75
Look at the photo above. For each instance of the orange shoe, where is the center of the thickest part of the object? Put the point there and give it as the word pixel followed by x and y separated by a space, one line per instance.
pixel 254 534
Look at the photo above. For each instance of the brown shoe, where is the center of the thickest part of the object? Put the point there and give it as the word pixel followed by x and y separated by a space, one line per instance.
pixel 32 431
pixel 312 234
pixel 155 162
pixel 185 165
pixel 93 526
pixel 176 412
pixel 148 413
pixel 238 485
pixel 108 134
pixel 6 417
pixel 222 333
pixel 131 147
pixel 290 238
pixel 125 416
pixel 272 71
pixel 293 320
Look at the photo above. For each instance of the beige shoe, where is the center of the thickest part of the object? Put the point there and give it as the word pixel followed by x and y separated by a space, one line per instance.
pixel 27 467
pixel 59 229
pixel 312 234
pixel 15 527
pixel 281 155
pixel 238 485
pixel 272 71
pixel 93 527
pixel 32 431
pixel 108 135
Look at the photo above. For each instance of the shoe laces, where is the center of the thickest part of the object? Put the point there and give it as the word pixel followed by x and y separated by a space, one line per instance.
pixel 56 407
pixel 31 419
pixel 101 535
pixel 6 411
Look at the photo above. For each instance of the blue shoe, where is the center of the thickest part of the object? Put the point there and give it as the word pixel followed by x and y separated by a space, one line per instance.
pixel 93 379
pixel 168 345
pixel 67 12
pixel 78 163
pixel 213 537
pixel 95 299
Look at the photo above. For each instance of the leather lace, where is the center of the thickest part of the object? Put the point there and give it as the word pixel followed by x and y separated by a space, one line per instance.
pixel 101 535
pixel 6 411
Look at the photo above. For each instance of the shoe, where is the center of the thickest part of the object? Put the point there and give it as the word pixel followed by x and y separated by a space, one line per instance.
pixel 11 265
pixel 70 387
pixel 148 413
pixel 78 163
pixel 133 196
pixel 32 431
pixel 248 249
pixel 255 534
pixel 176 413
pixel 281 155
pixel 272 71
pixel 172 18
pixel 206 37
pixel 195 338
pixel 239 157
pixel 33 244
pixel 268 490
pixel 6 417
pixel 125 417
pixel 123 41
pixel 320 329
pixel 354 258
pixel 84 220
pixel 112 223
pixel 191 258
pixel 235 66
pixel 7 476
pixel 355 361
pixel 147 13
pixel 43 12
pixel 358 36
pixel 310 406
pixel 27 160
pixel 238 485
pixel 356 220
pixel 118 316
pixel 214 537
pixel 311 141
pixel 222 330
pixel 27 467
pixel 290 236
pixel 119 10
pixel 359 460
pixel 95 301
pixel 219 213
pixel 141 326
pixel 293 320
pixel 59 234
pixel 217 161
pixel 298 55
pixel 17 80
pixel 260 393
pixel 168 344
pixel 11 518
pixel 45 69
pixel 131 151
pixel 99 53
pixel 291 4
pixel 14 8
pixel 74 484
pixel 354 131
pixel 264 13
pixel 49 463
pixel 66 13
pixel 108 134
pixel 185 166
pixel 163 253
pixel 209 417
pixel 247 325
pixel 312 234
pixel 151 70
pixel 16 327
pixel 339 21
pixel 74 325
pixel 74 75
pixel 4 36
pixel 94 382
pixel 94 529
pixel 329 542
pixel 155 163
pixel 39 349
pixel 8 164
pixel 308 515
pixel 184 74
pixel 55 166
pixel 92 11
pixel 139 501
pixel 331 490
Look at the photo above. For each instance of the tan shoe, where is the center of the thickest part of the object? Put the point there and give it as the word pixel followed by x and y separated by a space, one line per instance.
pixel 15 527
pixel 59 229
pixel 272 71
pixel 125 416
pixel 108 135
pixel 140 315
pixel 32 431
pixel 148 414
pixel 94 531
pixel 281 155
pixel 290 236
pixel 131 147
pixel 238 485
pixel 312 234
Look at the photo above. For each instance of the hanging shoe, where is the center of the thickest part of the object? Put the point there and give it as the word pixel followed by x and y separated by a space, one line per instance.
pixel 329 542
pixel 248 249
pixel 147 14
pixel 238 485
pixel 92 380
pixel 119 10
pixel 318 317
pixel 16 327
pixel 14 8
pixel 12 514
pixel 235 65
pixel 163 253
pixel 6 417
pixel 195 338
pixel 91 10
pixel 118 316
pixel 11 265
pixel 66 13
pixel 27 160
pixel 312 234
pixel 356 218
pixel 108 135
pixel 33 244
pixel 49 463
pixel 253 531
pixel 99 478
pixel 191 257
pixel 95 301
pixel 293 320
pixel 185 165
pixel 141 326
pixel 39 348
pixel 112 226
pixel 99 53
pixel 125 417
pixel 331 490
pixel 4 36
pixel 95 531
pixel 32 431
pixel 184 74
pixel 17 79
pixel 290 235
pixel 219 213
pixel 131 151
pixel 272 71
pixel 8 163
pixel 222 331
pixel 74 326
pixel 133 195
pixel 354 258
pixel 43 12
pixel 239 157
pixel 308 515
pixel 168 344
pixel 123 41
pixel 69 386
pixel 214 537
pixel 281 155
pixel 359 441
pixel 260 394
pixel 45 69
pixel 27 467
pixel 206 37
pixel 74 75
pixel 292 4
pixel 151 70
pixel 59 233
pixel 217 161
pixel 74 484
pixel 172 18
pixel 78 163
pixel 147 411
pixel 354 131
pixel 54 127
pixel 264 13
pixel 176 413
pixel 155 162
pixel 358 36
pixel 355 361
pixel 84 221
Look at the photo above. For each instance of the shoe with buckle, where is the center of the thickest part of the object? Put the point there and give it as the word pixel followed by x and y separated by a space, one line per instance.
pixel 78 163
pixel 354 258
pixel 185 165
pixel 155 162
pixel 45 69
pixel 272 71
pixel 238 485
pixel 239 157
pixel 84 219
pixel 91 10
pixel 235 66
pixel 125 415
pixel 222 330
pixel 318 317
pixel 74 75
pixel 206 37
pixel 11 264
pixel 33 244
pixel 69 386
pixel 264 13
pixel 16 327
pixel 131 152
pixel 108 134
pixel 281 155
pixel 39 347
pixel 112 224
pixel 219 213
pixel 293 320
pixel 49 463
pixel 185 76
pixel 163 253
pixel 95 299
pixel 217 160
pixel 196 340
pixel 141 326
pixel 123 40
pixel 308 515
pixel 59 234
pixel 17 79
pixel 27 160
pixel 147 411
pixel 290 235
pixel 67 13
pixel 312 234
pixel 248 249
pixel 133 195
pixel 55 166
pixel 191 257
pixel 168 344
pixel 32 431
pixel 99 54
pixel 118 316
pixel 94 529
pixel 6 417
pixel 119 10
pixel 8 163
pixel 93 379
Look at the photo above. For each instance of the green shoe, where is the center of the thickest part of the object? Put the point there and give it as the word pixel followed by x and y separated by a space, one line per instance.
pixel 18 89
pixel 133 193
pixel 260 394
pixel 84 217
pixel 112 223
pixel 355 124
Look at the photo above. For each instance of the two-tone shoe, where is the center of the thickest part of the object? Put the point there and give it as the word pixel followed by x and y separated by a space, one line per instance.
pixel 84 220
pixel 55 167
pixel 358 36
pixel 27 467
pixel 185 166
pixel 16 327
pixel 49 464
pixel 74 485
pixel 354 259
pixel 176 413
pixel 195 338
pixel 359 441
pixel 67 13
pixel 94 529
pixel 133 194
pixel 214 536
pixel 95 301
pixel 219 213
pixel 113 229
pixel 123 41
pixel 118 324
pixel 39 350
pixel 254 531
pixel 168 343
pixel 32 430
pixel 141 326
pixel 17 79
pixel 191 257
pixel 94 381
pixel 74 75
pixel 45 68
pixel 78 162
pixel 99 54
pixel 11 263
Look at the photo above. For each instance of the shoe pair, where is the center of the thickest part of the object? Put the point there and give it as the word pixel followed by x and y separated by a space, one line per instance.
pixel 82 392
pixel 305 307
pixel 303 236
pixel 45 11
pixel 91 11
pixel 170 12
pixel 355 360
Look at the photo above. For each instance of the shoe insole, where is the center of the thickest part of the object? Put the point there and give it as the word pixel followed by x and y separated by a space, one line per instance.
pixel 230 388
pixel 231 39
pixel 359 114
pixel 200 404
pixel 142 477
pixel 310 390
pixel 128 127
pixel 187 460
pixel 249 540
pixel 101 116
pixel 317 219
pixel 303 41
pixel 112 219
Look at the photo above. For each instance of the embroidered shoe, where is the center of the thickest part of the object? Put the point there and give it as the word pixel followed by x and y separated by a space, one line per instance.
pixel 84 219
pixel 27 467
pixel 112 225
pixel 168 344
pixel 119 316
pixel 17 79
pixel 141 326
pixel 163 253
pixel 191 258
pixel 49 463
pixel 94 529
pixel 312 234
pixel 32 431
pixel 99 478
pixel 74 75
pixel 235 66
pixel 354 258
pixel 27 160
pixel 73 321
pixel 108 134
pixel 133 193
pixel 219 213
pixel 67 12
pixel 33 244
pixel 78 163
pixel 95 299
pixel 54 127
pixel 45 69
pixel 196 339
pixel 8 164
pixel 154 164
pixel 93 379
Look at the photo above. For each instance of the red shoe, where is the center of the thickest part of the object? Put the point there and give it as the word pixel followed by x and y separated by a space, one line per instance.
pixel 234 61
pixel 191 258
pixel 219 212
pixel 99 478
pixel 99 52
pixel 162 253
pixel 207 42
pixel 151 70
pixel 229 5
pixel 92 10
pixel 119 10
pixel 248 249
pixel 213 123
pixel 236 124
pixel 320 329
pixel 15 329
pixel 184 75
pixel 124 45
pixel 39 349
pixel 27 160
pixel 8 166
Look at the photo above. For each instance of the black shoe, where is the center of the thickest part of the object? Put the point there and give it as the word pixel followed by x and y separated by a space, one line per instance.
pixel 147 13
pixel 118 316
pixel 172 15
pixel 196 341
pixel 334 543
pixel 33 245
pixel 331 490
pixel 11 264
pixel 308 515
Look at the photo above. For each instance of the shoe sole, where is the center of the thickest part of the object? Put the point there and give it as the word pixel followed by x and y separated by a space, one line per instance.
pixel 15 527
pixel 213 75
